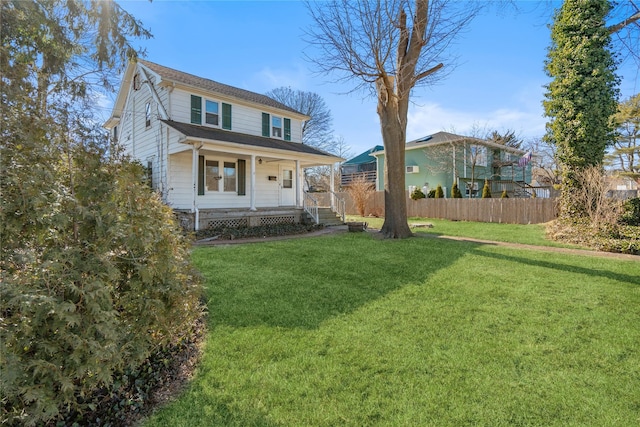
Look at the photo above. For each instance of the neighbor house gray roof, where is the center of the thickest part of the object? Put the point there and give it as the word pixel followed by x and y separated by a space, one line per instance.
pixel 444 137
pixel 214 134
pixel 210 85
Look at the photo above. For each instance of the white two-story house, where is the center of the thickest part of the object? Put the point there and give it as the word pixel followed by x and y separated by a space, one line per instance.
pixel 217 154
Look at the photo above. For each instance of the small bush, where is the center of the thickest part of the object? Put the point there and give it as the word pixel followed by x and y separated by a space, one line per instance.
pixel 455 191
pixel 504 194
pixel 360 190
pixel 631 212
pixel 230 233
pixel 439 193
pixel 486 190
pixel 417 194
pixel 431 194
pixel 603 237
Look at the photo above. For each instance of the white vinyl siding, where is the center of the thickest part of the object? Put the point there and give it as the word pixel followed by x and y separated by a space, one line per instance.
pixel 181 186
pixel 245 119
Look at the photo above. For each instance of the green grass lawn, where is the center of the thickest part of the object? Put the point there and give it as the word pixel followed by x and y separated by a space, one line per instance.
pixel 529 234
pixel 350 330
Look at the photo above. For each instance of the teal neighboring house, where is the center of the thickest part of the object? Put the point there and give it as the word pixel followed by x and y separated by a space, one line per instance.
pixel 444 158
pixel 363 166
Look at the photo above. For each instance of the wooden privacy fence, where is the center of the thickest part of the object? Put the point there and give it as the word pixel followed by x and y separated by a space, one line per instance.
pixel 511 211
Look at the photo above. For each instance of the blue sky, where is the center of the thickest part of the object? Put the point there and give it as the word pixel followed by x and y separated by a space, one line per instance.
pixel 257 45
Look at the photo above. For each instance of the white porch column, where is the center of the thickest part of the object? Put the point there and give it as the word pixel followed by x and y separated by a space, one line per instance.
pixel 332 187
pixel 298 186
pixel 252 193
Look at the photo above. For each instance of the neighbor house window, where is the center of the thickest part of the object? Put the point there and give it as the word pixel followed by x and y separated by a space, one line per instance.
pixel 212 174
pixel 478 155
pixel 211 115
pixel 229 176
pixel 147 114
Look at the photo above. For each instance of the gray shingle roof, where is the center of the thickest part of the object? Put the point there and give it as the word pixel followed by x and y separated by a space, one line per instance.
pixel 204 132
pixel 210 85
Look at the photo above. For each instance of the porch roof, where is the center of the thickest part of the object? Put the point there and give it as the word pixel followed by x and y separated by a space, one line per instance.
pixel 213 134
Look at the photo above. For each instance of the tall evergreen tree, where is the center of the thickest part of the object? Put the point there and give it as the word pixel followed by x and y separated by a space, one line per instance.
pixel 581 97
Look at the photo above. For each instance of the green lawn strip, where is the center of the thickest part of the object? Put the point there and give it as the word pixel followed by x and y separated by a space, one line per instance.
pixel 349 330
pixel 528 234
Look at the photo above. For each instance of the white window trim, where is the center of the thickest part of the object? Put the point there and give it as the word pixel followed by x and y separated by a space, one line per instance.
pixel 204 113
pixel 221 173
pixel 271 126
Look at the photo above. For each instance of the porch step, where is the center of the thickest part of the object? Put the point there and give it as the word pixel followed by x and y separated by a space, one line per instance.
pixel 328 218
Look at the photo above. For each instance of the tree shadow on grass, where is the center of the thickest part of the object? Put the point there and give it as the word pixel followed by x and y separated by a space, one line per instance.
pixel 624 278
pixel 302 283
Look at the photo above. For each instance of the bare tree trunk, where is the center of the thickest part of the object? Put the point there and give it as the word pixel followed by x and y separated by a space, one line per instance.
pixel 394 131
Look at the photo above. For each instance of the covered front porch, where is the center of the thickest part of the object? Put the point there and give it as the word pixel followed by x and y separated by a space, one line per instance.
pixel 222 178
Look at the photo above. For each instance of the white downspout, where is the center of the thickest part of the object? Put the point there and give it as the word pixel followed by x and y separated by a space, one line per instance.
pixel 252 194
pixel 194 178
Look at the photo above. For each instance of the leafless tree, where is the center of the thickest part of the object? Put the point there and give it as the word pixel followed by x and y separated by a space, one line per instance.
pixel 317 131
pixel 544 163
pixel 388 47
pixel 625 29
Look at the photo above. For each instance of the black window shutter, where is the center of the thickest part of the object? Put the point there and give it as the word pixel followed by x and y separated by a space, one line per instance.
pixel 196 109
pixel 242 177
pixel 287 129
pixel 265 124
pixel 226 116
pixel 200 175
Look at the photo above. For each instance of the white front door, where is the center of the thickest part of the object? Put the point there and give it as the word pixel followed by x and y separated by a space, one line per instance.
pixel 287 187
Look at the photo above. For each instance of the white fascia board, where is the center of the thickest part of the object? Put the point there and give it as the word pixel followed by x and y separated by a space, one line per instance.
pixel 230 147
pixel 196 90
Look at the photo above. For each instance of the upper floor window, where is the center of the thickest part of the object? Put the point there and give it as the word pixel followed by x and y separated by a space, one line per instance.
pixel 212 112
pixel 211 116
pixel 276 127
pixel 147 114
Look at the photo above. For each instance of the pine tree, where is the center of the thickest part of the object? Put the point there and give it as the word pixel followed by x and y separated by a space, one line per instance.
pixel 455 191
pixel 581 97
pixel 486 190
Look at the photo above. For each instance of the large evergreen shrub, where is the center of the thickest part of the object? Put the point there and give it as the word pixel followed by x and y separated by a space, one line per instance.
pixel 95 277
pixel 439 192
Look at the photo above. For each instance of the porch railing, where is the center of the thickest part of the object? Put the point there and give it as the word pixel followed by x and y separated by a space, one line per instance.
pixel 310 206
pixel 338 205
pixel 368 176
